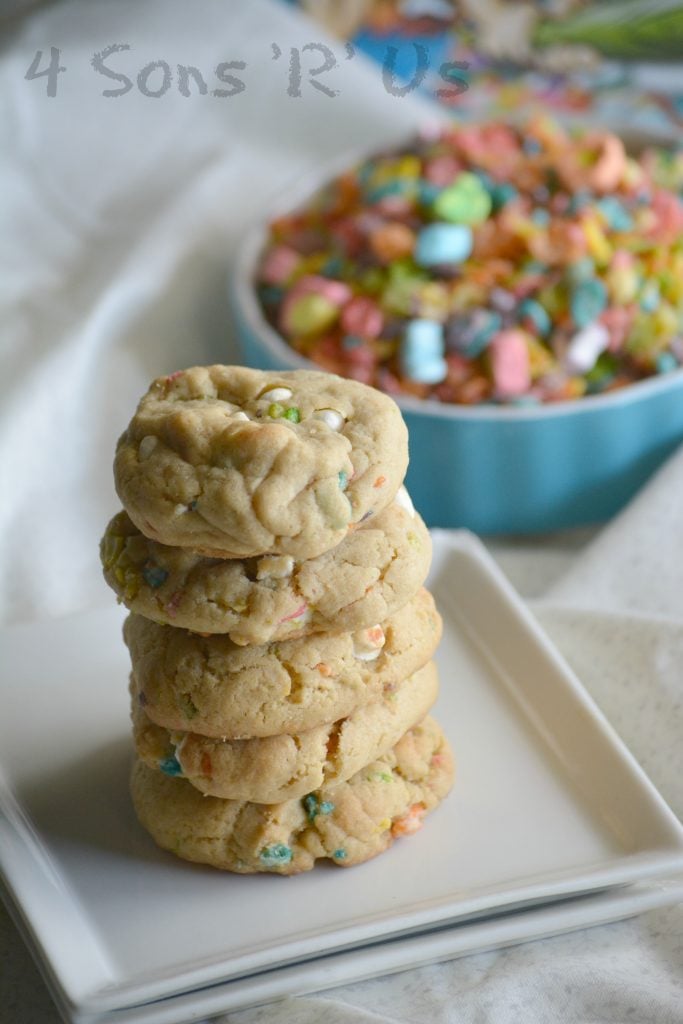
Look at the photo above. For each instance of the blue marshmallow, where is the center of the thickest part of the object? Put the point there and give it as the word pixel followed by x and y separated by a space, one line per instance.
pixel 443 243
pixel 421 355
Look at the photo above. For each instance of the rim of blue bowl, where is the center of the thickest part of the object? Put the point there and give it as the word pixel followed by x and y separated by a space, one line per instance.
pixel 250 311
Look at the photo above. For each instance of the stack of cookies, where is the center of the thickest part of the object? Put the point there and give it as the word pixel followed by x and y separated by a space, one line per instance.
pixel 279 634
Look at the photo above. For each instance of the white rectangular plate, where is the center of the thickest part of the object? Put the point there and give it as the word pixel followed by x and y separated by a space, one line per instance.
pixel 547 804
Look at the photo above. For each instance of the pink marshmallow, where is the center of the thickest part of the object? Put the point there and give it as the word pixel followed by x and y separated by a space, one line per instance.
pixel 668 211
pixel 618 321
pixel 279 265
pixel 510 363
pixel 622 259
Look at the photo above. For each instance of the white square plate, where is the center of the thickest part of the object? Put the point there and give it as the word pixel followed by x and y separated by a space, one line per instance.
pixel 548 804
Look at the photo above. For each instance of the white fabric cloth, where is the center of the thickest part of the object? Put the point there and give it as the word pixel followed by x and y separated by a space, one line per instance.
pixel 119 219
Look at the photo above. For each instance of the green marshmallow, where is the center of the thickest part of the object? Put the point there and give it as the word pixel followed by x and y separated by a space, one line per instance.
pixel 466 201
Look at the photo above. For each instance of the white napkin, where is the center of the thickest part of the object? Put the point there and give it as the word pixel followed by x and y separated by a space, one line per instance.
pixel 119 217
pixel 617 614
pixel 613 610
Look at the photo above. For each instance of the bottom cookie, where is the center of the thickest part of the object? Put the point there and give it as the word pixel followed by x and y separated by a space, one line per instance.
pixel 348 823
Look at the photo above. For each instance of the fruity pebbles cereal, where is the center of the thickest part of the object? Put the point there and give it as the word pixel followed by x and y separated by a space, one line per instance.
pixel 487 264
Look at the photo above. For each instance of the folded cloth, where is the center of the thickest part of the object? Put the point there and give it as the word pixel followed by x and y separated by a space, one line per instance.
pixel 617 614
pixel 635 565
pixel 611 601
pixel 119 219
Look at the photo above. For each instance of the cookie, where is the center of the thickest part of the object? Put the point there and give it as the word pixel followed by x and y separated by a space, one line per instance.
pixel 347 824
pixel 214 687
pixel 234 462
pixel 372 573
pixel 271 769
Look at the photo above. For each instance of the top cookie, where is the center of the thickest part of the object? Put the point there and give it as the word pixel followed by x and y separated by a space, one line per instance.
pixel 233 462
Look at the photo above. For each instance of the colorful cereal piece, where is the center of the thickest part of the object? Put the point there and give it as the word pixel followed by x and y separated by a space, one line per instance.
pixel 410 822
pixel 314 806
pixel 466 201
pixel 363 317
pixel 585 347
pixel 422 352
pixel 277 411
pixel 475 231
pixel 171 766
pixel 502 194
pixel 279 264
pixel 588 300
pixel 666 362
pixel 609 166
pixel 443 243
pixel 596 240
pixel 650 296
pixel 298 613
pixel 471 332
pixel 393 241
pixel 336 292
pixel 510 363
pixel 533 314
pixel 615 213
pixel 313 305
pixel 442 170
pixel 308 314
pixel 154 575
pixel 275 855
pixel 368 643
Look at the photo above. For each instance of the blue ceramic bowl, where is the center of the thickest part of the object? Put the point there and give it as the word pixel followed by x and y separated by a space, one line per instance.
pixel 498 469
